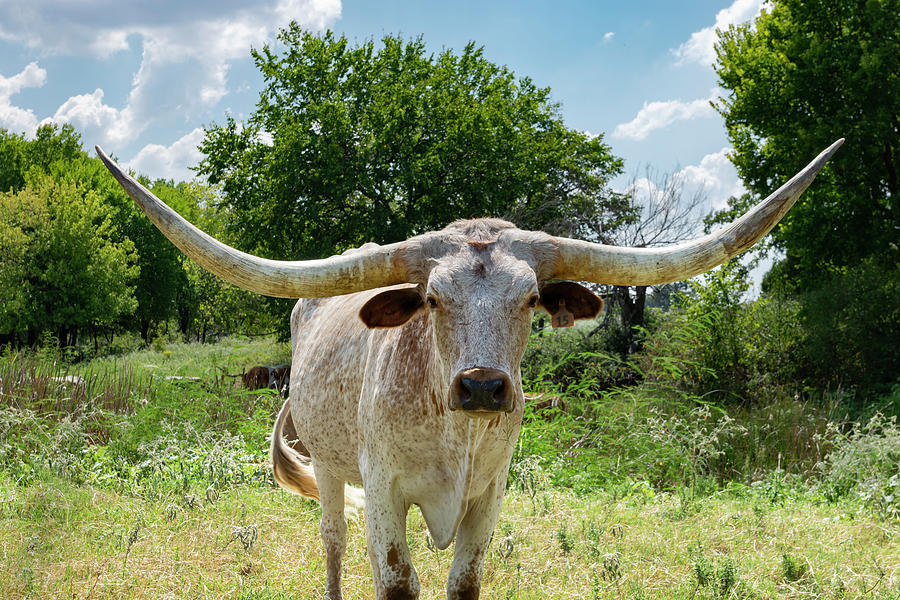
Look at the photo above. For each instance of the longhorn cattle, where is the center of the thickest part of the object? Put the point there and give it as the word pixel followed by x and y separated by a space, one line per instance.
pixel 405 376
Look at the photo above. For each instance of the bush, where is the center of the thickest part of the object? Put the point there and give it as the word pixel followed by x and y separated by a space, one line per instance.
pixel 852 325
pixel 725 350
pixel 866 462
pixel 558 359
pixel 130 432
pixel 626 435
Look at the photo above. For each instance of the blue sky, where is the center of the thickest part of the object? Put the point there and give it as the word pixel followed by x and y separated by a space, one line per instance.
pixel 142 79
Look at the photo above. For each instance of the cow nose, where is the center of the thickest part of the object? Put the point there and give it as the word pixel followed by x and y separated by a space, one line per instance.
pixel 482 394
pixel 481 390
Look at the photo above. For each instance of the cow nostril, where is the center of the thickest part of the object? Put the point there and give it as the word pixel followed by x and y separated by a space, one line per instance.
pixel 482 394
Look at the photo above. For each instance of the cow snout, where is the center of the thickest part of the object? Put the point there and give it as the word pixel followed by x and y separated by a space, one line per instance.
pixel 481 391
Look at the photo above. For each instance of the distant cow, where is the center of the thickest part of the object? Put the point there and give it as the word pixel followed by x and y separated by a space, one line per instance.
pixel 546 404
pixel 277 378
pixel 256 378
pixel 410 383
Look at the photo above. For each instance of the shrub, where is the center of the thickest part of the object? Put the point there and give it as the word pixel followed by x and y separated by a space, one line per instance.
pixel 558 359
pixel 866 462
pixel 852 324
pixel 723 349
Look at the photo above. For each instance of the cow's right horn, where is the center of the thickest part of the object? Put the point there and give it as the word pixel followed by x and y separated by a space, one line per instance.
pixel 363 269
pixel 587 261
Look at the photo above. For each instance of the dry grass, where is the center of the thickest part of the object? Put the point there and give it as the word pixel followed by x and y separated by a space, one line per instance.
pixel 62 541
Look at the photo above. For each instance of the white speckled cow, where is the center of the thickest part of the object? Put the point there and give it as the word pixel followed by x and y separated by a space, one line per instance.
pixel 407 382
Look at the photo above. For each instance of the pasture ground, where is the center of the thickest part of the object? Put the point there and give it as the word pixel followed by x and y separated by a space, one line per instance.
pixel 59 540
pixel 135 486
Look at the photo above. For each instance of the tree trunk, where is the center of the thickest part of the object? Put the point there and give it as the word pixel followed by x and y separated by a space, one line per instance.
pixel 145 330
pixel 632 309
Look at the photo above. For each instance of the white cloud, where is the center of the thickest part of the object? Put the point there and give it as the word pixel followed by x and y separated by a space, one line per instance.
pixel 716 177
pixel 14 118
pixel 714 180
pixel 160 162
pixel 188 44
pixel 661 114
pixel 266 138
pixel 97 122
pixel 700 48
pixel 608 36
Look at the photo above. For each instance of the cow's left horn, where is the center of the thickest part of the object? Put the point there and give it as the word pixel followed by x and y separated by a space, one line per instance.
pixel 363 269
pixel 586 261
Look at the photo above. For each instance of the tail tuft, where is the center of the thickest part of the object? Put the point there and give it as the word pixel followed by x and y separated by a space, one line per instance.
pixel 354 501
pixel 294 471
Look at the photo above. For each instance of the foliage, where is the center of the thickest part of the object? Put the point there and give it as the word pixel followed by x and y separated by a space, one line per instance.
pixel 214 308
pixel 377 142
pixel 852 321
pixel 161 285
pixel 51 144
pixel 115 428
pixel 163 279
pixel 865 461
pixel 805 74
pixel 64 266
pixel 563 358
pixel 703 348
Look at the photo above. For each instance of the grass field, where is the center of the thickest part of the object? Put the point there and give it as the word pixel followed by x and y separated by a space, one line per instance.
pixel 60 540
pixel 135 486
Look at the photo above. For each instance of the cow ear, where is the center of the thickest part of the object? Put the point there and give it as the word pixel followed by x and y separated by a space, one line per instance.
pixel 580 301
pixel 391 308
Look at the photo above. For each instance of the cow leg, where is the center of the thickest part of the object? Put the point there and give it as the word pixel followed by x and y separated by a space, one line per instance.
pixel 395 578
pixel 333 529
pixel 472 540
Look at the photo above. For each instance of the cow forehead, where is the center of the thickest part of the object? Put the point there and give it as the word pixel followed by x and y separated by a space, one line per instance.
pixel 483 273
pixel 461 243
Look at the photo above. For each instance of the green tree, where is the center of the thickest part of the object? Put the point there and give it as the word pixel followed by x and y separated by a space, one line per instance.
pixel 51 144
pixel 206 305
pixel 62 269
pixel 162 276
pixel 806 73
pixel 377 142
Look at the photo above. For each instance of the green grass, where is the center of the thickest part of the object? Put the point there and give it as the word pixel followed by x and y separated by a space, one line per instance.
pixel 135 486
pixel 60 540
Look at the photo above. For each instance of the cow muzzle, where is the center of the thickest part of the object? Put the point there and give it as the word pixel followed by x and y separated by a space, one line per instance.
pixel 481 392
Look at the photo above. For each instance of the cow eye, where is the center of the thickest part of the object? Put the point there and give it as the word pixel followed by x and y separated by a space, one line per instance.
pixel 432 301
pixel 532 302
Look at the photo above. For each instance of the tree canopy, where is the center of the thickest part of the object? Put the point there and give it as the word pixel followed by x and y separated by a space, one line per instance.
pixel 63 264
pixel 377 142
pixel 77 256
pixel 805 74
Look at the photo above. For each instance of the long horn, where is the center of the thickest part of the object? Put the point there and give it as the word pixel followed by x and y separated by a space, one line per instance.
pixel 362 269
pixel 599 263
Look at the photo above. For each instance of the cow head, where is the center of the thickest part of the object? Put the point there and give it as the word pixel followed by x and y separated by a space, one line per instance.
pixel 480 286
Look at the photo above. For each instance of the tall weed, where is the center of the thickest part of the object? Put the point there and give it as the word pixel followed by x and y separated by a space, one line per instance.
pixel 865 462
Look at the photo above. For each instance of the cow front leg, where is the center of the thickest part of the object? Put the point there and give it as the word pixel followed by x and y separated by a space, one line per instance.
pixel 333 529
pixel 392 570
pixel 472 540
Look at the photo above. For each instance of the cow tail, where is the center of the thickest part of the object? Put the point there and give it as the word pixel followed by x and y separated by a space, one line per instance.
pixel 292 470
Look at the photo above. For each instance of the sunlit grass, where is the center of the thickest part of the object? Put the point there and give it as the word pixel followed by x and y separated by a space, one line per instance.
pixel 58 540
pixel 139 487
